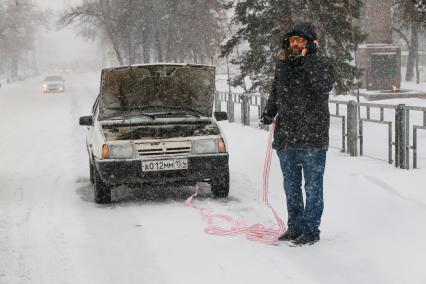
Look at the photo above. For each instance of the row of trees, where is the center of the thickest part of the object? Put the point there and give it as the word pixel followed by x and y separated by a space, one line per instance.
pixel 192 30
pixel 248 32
pixel 152 30
pixel 19 20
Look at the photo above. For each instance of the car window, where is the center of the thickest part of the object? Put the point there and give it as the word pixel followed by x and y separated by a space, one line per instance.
pixel 54 78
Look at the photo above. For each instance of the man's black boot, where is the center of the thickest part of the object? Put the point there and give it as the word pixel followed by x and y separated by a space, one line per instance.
pixel 306 239
pixel 289 236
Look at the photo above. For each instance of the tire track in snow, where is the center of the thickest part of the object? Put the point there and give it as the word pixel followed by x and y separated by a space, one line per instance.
pixel 32 239
pixel 388 188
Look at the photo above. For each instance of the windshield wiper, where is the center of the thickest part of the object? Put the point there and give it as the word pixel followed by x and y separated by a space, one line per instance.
pixel 176 114
pixel 129 115
pixel 180 109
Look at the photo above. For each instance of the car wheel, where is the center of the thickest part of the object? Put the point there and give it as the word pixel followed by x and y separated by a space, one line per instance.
pixel 92 173
pixel 102 190
pixel 220 186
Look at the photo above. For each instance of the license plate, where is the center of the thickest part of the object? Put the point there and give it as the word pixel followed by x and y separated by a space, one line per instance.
pixel 164 165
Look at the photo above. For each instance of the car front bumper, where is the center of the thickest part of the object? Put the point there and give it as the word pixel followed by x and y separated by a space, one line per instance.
pixel 129 171
pixel 53 89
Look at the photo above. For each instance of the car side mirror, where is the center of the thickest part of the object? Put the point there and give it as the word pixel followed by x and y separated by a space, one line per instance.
pixel 220 115
pixel 86 120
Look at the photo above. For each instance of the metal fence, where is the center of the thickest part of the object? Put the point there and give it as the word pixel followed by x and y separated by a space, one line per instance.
pixel 353 117
pixel 246 103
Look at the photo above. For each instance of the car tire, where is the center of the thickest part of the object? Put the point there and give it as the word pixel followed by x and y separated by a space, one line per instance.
pixel 91 173
pixel 220 186
pixel 102 190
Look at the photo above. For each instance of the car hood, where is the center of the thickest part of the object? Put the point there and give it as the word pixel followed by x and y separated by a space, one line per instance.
pixel 181 87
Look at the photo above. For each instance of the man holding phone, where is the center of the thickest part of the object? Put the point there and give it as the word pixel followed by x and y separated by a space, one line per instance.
pixel 298 104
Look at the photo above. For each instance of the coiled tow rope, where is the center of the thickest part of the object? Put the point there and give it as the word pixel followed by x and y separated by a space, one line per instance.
pixel 255 232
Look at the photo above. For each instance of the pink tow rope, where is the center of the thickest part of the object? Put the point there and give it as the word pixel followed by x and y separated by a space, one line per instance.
pixel 256 232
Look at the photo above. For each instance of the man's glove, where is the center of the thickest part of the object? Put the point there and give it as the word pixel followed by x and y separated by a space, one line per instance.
pixel 266 120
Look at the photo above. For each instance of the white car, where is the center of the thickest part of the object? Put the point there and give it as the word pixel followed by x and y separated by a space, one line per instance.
pixel 153 124
pixel 53 84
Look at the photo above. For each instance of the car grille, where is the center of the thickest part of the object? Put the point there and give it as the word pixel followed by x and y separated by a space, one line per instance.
pixel 172 148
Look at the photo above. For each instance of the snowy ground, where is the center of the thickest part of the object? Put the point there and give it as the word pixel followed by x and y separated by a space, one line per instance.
pixel 51 231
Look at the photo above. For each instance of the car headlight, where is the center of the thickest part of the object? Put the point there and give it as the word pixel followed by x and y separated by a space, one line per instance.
pixel 118 151
pixel 205 146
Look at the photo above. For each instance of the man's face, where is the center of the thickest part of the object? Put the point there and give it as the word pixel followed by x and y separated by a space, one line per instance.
pixel 297 43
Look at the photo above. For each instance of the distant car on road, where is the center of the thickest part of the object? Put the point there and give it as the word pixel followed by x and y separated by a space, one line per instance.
pixel 154 124
pixel 53 84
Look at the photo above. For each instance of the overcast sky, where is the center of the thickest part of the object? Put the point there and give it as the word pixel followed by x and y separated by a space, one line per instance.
pixel 64 45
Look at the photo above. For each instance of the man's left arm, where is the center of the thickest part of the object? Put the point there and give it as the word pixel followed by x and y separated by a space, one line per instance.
pixel 321 75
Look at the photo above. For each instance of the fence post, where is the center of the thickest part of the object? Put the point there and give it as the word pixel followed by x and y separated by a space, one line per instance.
pixel 407 140
pixel 343 135
pixel 424 118
pixel 402 136
pixel 230 108
pixel 352 123
pixel 262 108
pixel 242 98
pixel 217 102
pixel 415 148
pixel 245 110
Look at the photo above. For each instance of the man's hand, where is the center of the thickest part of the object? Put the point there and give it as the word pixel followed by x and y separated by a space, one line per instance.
pixel 267 120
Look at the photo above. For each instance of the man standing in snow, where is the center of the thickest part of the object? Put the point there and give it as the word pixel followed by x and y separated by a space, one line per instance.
pixel 298 104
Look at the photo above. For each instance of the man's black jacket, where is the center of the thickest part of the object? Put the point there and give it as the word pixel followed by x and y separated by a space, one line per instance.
pixel 299 98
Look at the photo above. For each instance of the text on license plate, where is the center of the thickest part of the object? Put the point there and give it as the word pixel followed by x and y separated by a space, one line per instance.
pixel 164 165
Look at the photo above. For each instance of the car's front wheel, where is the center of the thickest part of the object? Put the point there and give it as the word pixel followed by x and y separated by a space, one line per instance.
pixel 220 186
pixel 102 190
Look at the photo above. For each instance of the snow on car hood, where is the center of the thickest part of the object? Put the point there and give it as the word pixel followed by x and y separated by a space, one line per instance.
pixel 181 87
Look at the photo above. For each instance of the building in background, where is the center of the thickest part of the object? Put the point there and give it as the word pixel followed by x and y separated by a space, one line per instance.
pixel 380 56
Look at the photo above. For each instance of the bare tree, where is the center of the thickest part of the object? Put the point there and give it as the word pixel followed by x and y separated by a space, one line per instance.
pixel 410 23
pixel 19 21
pixel 160 30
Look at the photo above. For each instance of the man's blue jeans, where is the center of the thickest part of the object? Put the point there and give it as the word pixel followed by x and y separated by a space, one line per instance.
pixel 303 219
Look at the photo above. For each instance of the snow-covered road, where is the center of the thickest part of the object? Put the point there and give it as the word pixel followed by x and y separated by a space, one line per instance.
pixel 51 231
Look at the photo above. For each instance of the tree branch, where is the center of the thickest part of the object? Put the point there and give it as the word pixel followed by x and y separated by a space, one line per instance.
pixel 403 36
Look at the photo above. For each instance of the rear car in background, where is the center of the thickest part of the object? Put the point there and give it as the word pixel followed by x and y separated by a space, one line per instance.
pixel 53 84
pixel 154 124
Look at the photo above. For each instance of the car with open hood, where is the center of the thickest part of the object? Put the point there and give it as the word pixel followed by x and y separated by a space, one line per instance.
pixel 154 124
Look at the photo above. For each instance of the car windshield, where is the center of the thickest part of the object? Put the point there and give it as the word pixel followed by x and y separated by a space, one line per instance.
pixel 54 78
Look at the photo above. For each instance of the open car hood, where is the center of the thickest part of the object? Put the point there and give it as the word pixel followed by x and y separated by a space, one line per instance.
pixel 181 87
